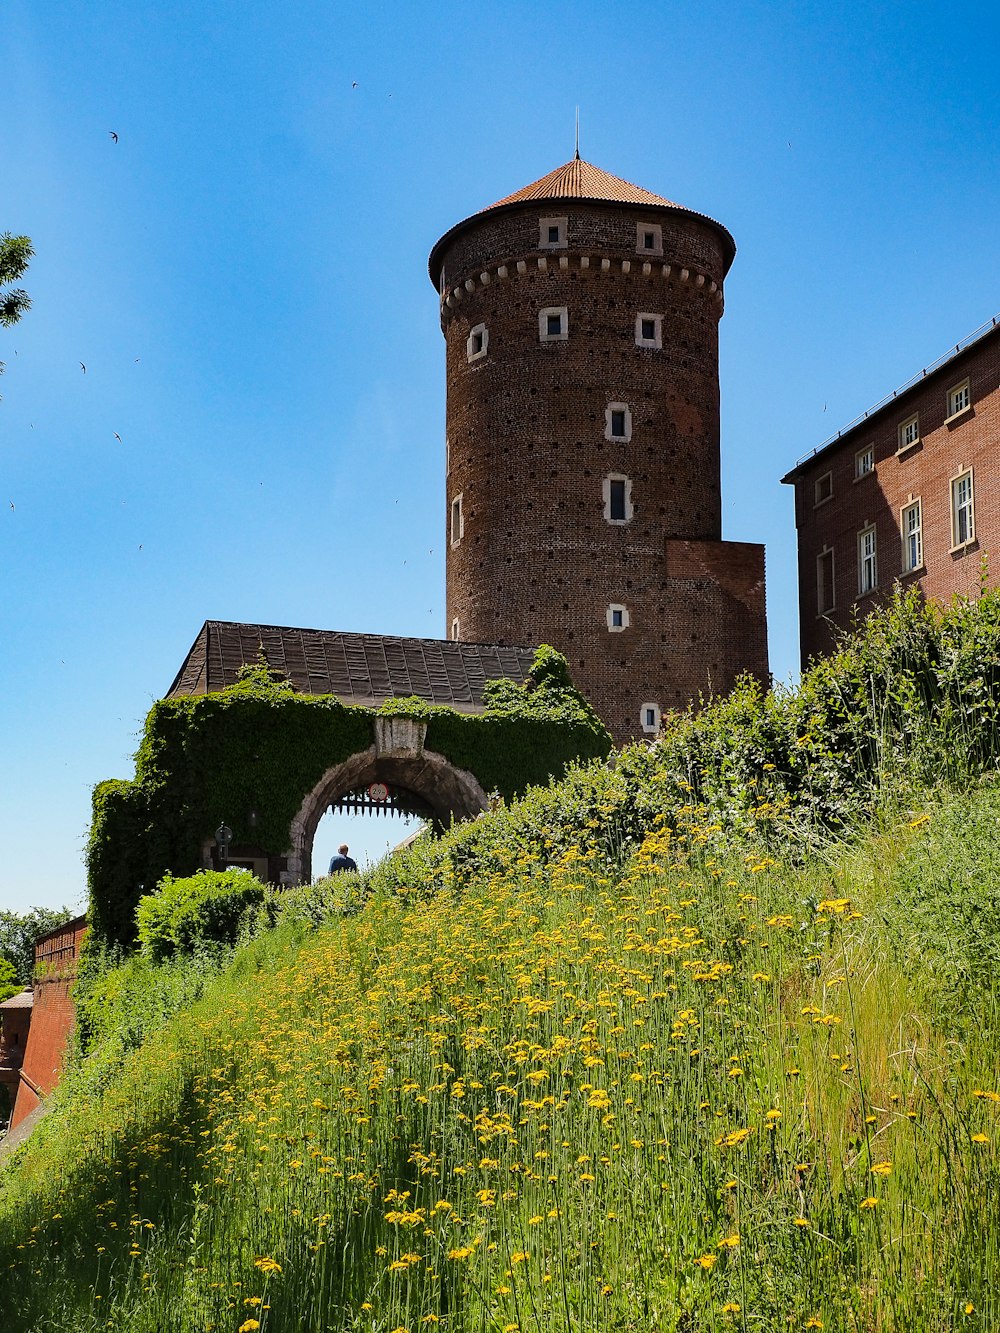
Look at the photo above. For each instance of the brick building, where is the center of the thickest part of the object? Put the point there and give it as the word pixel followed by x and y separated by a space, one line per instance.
pixel 907 494
pixel 581 319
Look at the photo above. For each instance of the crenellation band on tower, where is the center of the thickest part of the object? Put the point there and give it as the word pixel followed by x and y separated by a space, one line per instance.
pixel 581 319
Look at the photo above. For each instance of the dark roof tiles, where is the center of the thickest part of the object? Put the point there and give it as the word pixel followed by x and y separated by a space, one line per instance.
pixel 357 668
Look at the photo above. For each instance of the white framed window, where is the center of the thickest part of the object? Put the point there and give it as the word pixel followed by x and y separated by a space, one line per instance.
pixel 649 718
pixel 867 561
pixel 617 498
pixel 826 597
pixel 911 528
pixel 823 489
pixel 648 330
pixel 909 433
pixel 455 629
pixel 864 461
pixel 457 521
pixel 553 324
pixel 958 399
pixel 648 238
pixel 618 422
pixel 617 617
pixel 963 512
pixel 477 342
pixel 552 233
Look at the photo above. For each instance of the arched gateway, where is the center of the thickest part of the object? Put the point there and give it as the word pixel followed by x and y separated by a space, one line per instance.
pixel 423 783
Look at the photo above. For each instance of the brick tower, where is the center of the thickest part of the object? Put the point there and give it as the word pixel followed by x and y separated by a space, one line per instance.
pixel 580 318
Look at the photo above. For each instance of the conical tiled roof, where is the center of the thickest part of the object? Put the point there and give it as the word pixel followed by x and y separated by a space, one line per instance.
pixel 577 179
pixel 581 180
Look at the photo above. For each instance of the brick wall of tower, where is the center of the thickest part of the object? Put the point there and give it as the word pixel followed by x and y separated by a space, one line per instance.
pixel 831 518
pixel 527 452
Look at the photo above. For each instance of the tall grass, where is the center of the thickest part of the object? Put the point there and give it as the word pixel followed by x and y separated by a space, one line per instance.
pixel 691 1092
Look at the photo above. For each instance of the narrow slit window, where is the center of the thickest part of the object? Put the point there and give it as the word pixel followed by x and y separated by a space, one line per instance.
pixel 457 521
pixel 867 562
pixel 825 597
pixel 913 537
pixel 617 422
pixel 649 718
pixel 963 519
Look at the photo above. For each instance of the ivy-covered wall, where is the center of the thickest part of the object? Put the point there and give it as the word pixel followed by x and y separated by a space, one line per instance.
pixel 261 746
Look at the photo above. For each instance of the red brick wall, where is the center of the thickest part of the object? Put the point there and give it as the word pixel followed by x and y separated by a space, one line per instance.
pixel 53 1015
pixel 946 448
pixel 538 561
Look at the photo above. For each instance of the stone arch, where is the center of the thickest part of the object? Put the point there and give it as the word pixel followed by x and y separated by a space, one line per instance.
pixel 399 759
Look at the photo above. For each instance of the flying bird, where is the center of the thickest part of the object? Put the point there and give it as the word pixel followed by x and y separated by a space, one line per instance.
pixel 354 85
pixel 83 367
pixel 12 504
pixel 118 437
pixel 113 135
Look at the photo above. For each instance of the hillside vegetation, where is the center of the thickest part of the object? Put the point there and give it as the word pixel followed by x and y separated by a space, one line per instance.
pixel 705 1040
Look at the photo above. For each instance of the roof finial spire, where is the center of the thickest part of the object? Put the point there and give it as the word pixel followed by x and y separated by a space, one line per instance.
pixel 577 134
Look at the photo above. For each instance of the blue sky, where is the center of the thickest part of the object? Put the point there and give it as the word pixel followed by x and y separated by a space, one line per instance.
pixel 244 276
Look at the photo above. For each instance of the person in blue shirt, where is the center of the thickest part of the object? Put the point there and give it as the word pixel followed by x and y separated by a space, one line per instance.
pixel 342 861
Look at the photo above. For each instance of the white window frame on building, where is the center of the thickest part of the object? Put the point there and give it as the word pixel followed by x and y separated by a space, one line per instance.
pixel 546 228
pixel 867 560
pixel 625 434
pixel 911 534
pixel 908 435
pixel 559 312
pixel 612 482
pixel 649 718
pixel 455 629
pixel 641 339
pixel 447 456
pixel 959 400
pixel 646 232
pixel 457 529
pixel 826 588
pixel 477 342
pixel 822 489
pixel 963 509
pixel 864 462
pixel 617 618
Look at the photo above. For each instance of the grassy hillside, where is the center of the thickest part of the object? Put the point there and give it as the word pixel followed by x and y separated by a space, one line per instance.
pixel 701 1095
pixel 673 1045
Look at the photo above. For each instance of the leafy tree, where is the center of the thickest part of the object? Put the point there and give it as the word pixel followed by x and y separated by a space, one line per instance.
pixel 18 932
pixel 8 980
pixel 15 255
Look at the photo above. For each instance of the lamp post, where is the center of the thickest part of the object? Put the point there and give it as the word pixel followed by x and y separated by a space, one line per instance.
pixel 223 837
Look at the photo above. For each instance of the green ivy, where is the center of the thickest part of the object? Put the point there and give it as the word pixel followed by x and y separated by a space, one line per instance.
pixel 259 745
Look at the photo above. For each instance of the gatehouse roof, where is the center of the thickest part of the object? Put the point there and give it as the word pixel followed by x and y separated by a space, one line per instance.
pixel 357 668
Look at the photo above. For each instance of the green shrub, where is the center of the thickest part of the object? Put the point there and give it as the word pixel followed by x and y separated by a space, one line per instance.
pixel 211 907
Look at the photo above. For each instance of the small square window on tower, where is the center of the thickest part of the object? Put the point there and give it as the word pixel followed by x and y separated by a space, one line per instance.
pixel 457 521
pixel 552 233
pixel 958 399
pixel 823 489
pixel 648 330
pixel 617 618
pixel 553 324
pixel 649 718
pixel 617 422
pixel 649 238
pixel 617 499
pixel 477 342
